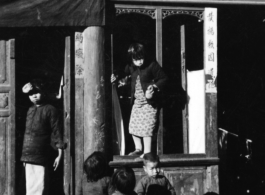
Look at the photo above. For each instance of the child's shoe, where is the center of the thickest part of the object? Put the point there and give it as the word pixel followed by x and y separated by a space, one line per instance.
pixel 135 153
pixel 140 158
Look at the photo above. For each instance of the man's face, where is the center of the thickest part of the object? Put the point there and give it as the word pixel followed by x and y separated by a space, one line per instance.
pixel 138 62
pixel 152 169
pixel 35 98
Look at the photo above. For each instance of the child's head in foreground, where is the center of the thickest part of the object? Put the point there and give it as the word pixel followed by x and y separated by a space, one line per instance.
pixel 123 180
pixel 95 166
pixel 151 164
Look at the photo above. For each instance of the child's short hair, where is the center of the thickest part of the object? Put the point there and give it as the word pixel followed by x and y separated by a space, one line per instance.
pixel 123 180
pixel 136 51
pixel 95 166
pixel 151 157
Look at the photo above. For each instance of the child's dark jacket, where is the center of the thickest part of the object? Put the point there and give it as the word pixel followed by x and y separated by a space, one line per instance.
pixel 99 187
pixel 150 73
pixel 42 129
pixel 154 186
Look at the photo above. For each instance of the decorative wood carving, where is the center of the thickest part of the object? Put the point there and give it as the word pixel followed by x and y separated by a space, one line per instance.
pixel 169 12
pixel 4 100
pixel 148 12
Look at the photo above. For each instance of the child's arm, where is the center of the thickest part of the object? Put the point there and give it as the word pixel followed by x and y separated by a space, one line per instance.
pixel 125 79
pixel 121 82
pixel 56 135
pixel 160 78
pixel 149 92
pixel 27 87
pixel 58 159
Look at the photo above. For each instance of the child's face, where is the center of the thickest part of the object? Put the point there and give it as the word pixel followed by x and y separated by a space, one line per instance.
pixel 35 98
pixel 152 169
pixel 138 62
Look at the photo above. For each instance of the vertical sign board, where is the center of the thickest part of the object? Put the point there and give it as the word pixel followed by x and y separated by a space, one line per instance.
pixel 210 49
pixel 79 56
pixel 79 110
pixel 210 68
pixel 7 117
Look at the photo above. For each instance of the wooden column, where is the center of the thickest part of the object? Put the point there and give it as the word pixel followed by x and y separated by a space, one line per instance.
pixel 94 91
pixel 68 177
pixel 159 60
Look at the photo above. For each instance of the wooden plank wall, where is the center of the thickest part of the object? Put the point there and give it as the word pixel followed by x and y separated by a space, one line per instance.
pixel 7 117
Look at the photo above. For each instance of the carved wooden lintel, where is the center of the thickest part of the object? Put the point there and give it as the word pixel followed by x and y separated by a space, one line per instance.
pixel 169 12
pixel 165 12
pixel 148 12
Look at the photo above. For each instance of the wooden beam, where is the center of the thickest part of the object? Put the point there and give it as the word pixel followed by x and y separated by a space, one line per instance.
pixel 228 2
pixel 131 6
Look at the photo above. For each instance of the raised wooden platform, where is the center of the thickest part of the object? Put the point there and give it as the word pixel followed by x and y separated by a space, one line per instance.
pixel 189 173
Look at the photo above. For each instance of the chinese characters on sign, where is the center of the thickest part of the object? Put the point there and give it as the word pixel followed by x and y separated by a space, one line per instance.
pixel 79 56
pixel 210 58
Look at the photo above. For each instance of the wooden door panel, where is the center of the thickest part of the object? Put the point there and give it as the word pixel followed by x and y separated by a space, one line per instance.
pixel 7 117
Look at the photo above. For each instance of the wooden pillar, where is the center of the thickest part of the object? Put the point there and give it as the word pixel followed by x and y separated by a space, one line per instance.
pixel 159 60
pixel 94 91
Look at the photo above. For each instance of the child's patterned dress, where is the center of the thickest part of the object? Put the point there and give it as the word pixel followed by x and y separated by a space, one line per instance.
pixel 143 116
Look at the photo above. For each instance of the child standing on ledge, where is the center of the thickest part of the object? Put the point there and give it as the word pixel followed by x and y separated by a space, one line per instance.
pixel 147 83
pixel 43 129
